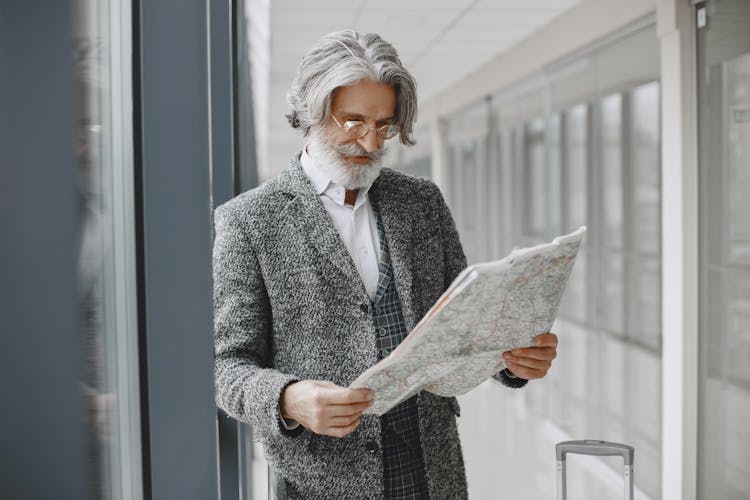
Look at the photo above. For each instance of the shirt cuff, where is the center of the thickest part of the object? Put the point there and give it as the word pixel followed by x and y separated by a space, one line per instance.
pixel 507 378
pixel 288 423
pixel 288 426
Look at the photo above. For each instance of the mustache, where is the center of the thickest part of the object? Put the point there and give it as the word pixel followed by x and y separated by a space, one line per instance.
pixel 357 150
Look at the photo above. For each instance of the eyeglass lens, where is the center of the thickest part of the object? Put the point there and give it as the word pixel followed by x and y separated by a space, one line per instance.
pixel 359 129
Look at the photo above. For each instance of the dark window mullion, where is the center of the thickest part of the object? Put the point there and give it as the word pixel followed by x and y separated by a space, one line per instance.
pixel 176 245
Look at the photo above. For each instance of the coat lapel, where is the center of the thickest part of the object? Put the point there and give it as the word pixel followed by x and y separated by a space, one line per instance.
pixel 396 216
pixel 314 225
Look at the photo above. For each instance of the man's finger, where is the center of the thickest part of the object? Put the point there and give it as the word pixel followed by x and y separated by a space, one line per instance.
pixel 342 431
pixel 343 421
pixel 534 364
pixel 344 396
pixel 525 372
pixel 346 409
pixel 543 353
pixel 545 340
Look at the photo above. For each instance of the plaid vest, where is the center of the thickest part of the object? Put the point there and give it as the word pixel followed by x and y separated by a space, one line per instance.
pixel 403 464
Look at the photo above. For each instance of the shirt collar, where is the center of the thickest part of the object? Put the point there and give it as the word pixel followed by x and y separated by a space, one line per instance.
pixel 323 184
pixel 319 179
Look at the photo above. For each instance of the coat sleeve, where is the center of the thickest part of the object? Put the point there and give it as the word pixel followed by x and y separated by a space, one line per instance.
pixel 247 387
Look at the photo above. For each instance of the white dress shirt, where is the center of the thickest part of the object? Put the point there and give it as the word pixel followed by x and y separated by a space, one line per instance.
pixel 356 224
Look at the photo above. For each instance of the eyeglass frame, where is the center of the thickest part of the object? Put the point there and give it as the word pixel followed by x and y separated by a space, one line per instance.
pixel 349 124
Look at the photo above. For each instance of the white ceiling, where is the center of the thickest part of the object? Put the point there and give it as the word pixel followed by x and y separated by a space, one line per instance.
pixel 439 41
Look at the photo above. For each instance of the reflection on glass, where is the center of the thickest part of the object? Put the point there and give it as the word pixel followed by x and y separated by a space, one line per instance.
pixel 567 390
pixel 644 302
pixel 613 293
pixel 536 181
pixel 98 394
pixel 418 167
pixel 464 179
pixel 643 368
pixel 724 124
pixel 737 315
pixel 502 190
pixel 645 161
pixel 613 378
pixel 576 153
pixel 554 148
pixel 737 72
pixel 109 385
pixel 737 441
pixel 612 199
pixel 573 305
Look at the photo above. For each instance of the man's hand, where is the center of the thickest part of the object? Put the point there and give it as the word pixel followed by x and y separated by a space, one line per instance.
pixel 533 362
pixel 324 407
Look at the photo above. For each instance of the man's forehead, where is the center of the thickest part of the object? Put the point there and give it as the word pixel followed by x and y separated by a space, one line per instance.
pixel 365 99
pixel 350 115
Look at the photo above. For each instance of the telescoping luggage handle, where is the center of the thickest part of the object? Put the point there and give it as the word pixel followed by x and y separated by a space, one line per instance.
pixel 597 448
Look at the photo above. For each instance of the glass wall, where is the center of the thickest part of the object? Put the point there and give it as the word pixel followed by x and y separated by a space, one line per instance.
pixel 724 125
pixel 107 253
pixel 414 160
pixel 467 178
pixel 576 145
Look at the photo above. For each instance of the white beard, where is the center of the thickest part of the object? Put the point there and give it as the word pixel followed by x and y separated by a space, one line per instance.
pixel 329 158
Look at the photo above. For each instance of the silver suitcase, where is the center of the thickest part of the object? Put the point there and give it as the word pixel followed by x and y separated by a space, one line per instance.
pixel 597 448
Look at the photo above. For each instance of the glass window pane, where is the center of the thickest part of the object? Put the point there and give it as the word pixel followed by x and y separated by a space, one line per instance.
pixel 566 166
pixel 570 392
pixel 554 150
pixel 613 385
pixel 724 125
pixel 536 181
pixel 612 294
pixel 737 330
pixel 576 154
pixel 574 305
pixel 612 181
pixel 466 158
pixel 644 302
pixel 644 372
pixel 737 72
pixel 645 161
pixel 728 317
pixel 106 258
pixel 520 198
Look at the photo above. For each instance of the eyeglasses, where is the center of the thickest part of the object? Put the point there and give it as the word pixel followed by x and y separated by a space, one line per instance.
pixel 356 129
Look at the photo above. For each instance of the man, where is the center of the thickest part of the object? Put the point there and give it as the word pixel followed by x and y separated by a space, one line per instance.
pixel 322 271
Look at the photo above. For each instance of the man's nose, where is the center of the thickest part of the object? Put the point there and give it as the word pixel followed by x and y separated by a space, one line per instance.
pixel 370 141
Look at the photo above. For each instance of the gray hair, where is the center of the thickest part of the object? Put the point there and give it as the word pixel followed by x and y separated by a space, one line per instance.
pixel 344 58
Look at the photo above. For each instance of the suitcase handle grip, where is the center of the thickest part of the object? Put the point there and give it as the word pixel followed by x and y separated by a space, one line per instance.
pixel 597 448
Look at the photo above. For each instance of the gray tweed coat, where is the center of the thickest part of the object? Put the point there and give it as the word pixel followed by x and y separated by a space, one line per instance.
pixel 289 305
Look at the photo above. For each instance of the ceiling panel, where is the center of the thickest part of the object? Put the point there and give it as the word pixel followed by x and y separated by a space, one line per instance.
pixel 439 41
pixel 398 5
pixel 427 33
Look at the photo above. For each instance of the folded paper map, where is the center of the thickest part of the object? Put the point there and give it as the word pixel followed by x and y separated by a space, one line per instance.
pixel 488 309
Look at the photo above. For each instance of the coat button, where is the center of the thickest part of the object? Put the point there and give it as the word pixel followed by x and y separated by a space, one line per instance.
pixel 371 446
pixel 364 308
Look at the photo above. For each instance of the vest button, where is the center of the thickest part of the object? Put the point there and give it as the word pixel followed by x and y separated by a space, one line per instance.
pixel 364 308
pixel 371 446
